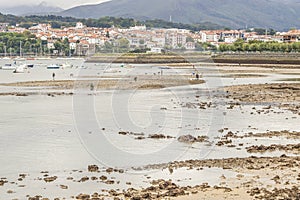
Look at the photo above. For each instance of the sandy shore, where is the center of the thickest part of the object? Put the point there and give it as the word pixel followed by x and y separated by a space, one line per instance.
pixel 125 82
pixel 255 176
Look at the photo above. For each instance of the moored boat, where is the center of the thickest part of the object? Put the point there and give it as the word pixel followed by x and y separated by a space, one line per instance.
pixel 20 68
pixel 9 67
pixel 53 66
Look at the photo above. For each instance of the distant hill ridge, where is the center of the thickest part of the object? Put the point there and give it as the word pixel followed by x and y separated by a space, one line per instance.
pixel 277 14
pixel 42 8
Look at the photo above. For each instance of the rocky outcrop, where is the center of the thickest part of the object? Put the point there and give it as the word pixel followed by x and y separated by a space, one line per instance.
pixel 192 139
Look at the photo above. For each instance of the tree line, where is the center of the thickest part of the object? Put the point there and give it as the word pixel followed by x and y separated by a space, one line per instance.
pixel 103 22
pixel 254 46
pixel 12 44
pixel 16 43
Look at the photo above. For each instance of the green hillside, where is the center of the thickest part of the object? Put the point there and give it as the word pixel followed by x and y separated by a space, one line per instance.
pixel 231 13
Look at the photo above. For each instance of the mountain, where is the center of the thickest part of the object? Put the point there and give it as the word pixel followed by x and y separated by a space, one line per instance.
pixel 277 14
pixel 42 8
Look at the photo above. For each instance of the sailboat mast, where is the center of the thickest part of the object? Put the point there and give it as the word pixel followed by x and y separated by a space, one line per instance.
pixel 20 48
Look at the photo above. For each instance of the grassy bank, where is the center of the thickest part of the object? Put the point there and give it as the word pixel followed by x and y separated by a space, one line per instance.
pixel 258 58
pixel 145 58
pixel 171 58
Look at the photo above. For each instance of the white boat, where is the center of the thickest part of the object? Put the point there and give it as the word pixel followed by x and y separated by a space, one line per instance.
pixel 9 67
pixel 66 65
pixel 20 68
pixel 111 70
pixel 53 66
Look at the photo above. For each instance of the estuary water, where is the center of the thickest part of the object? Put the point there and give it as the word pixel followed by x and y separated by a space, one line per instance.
pixel 64 133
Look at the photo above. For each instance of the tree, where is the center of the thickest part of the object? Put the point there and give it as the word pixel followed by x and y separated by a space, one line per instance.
pixel 123 45
pixel 108 47
pixel 141 41
pixel 58 46
pixel 189 39
pixel 238 45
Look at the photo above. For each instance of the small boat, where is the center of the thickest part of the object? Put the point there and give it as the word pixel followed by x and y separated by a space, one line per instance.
pixel 9 67
pixel 53 66
pixel 163 67
pixel 66 65
pixel 20 68
pixel 111 70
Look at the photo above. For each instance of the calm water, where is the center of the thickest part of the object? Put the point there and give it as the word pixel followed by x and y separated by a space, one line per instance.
pixel 60 133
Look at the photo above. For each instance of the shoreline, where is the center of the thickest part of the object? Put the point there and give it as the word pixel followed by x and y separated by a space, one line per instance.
pixel 248 183
pixel 187 58
pixel 140 82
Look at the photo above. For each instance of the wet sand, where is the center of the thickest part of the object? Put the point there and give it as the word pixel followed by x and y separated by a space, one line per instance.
pixel 262 93
pixel 257 176
pixel 112 82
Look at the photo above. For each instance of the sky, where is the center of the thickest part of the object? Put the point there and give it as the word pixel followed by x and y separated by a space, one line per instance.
pixel 65 4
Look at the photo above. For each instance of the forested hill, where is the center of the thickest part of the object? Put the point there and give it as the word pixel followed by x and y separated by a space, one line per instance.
pixel 277 14
pixel 105 22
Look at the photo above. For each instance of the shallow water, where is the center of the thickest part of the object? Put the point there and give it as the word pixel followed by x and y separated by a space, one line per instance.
pixel 70 132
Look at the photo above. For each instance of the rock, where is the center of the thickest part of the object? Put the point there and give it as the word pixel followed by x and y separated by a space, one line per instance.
pixel 109 182
pixel 35 198
pixel 103 178
pixel 109 170
pixel 64 187
pixel 136 198
pixel 123 133
pixel 93 178
pixel 187 139
pixel 2 182
pixel 84 179
pixel 93 168
pixel 22 176
pixel 83 197
pixel 202 139
pixel 157 136
pixel 50 179
pixel 140 138
pixel 176 192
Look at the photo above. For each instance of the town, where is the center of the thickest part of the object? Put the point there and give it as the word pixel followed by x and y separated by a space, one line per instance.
pixel 82 40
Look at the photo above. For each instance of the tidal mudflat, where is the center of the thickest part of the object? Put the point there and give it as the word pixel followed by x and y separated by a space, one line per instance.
pixel 101 131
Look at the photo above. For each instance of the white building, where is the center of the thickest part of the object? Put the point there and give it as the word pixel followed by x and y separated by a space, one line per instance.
pixel 79 25
pixel 138 28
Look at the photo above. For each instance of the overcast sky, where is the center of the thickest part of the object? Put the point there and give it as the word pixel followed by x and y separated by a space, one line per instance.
pixel 60 3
